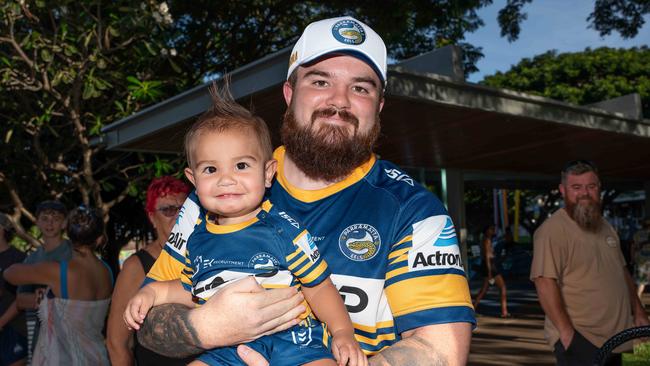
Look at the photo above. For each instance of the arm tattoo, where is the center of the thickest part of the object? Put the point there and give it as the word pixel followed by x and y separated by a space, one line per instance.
pixel 412 351
pixel 167 331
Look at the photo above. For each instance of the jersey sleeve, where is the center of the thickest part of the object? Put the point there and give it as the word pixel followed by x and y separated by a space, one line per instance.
pixel 305 262
pixel 171 262
pixel 425 281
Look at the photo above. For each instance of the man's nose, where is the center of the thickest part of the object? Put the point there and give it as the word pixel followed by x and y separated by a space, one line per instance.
pixel 339 97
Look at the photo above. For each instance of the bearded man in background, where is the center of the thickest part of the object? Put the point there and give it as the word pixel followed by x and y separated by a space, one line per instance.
pixel 579 272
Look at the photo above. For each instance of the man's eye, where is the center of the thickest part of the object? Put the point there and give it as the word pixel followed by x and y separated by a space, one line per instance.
pixel 209 169
pixel 320 83
pixel 360 89
pixel 242 166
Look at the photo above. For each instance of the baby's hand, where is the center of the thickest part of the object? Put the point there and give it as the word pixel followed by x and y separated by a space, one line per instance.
pixel 138 307
pixel 346 349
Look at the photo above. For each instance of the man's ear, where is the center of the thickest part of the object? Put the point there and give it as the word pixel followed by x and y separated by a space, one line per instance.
pixel 189 174
pixel 269 171
pixel 287 91
pixel 381 104
pixel 561 188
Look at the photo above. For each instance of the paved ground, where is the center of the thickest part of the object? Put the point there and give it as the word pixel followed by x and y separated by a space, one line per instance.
pixel 515 341
pixel 518 340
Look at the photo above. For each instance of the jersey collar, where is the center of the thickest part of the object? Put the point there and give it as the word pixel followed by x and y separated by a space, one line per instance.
pixel 314 195
pixel 226 229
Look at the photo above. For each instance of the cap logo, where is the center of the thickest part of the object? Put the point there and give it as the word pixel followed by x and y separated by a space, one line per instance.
pixel 293 58
pixel 349 32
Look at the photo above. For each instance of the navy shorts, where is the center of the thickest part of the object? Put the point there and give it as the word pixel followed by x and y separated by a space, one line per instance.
pixel 13 346
pixel 295 346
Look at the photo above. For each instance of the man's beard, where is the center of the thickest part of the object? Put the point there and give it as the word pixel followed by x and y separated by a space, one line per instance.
pixel 327 152
pixel 587 214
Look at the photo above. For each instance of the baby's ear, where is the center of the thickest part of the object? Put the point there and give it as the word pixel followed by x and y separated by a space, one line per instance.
pixel 269 171
pixel 189 174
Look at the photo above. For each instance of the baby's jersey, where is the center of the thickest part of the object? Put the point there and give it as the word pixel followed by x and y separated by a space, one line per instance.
pixel 272 246
pixel 388 242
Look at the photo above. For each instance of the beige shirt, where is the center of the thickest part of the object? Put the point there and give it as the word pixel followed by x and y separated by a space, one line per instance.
pixel 589 268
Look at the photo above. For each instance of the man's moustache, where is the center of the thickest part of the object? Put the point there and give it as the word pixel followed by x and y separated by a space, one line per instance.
pixel 329 112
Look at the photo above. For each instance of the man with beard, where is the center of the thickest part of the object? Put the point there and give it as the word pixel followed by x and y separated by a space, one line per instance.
pixel 389 243
pixel 579 272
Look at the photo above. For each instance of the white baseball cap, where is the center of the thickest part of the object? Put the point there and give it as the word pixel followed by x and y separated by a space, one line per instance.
pixel 344 35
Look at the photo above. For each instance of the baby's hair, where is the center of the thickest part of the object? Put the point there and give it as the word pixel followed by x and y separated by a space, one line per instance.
pixel 225 114
pixel 85 226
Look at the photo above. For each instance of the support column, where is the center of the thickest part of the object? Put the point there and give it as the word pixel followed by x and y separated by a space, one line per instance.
pixel 646 206
pixel 453 196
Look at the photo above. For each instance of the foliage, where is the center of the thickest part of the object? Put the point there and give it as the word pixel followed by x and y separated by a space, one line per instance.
pixel 220 36
pixel 66 70
pixel 622 16
pixel 582 77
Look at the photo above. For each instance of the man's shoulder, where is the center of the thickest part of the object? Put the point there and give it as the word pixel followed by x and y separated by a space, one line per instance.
pixel 554 222
pixel 281 218
pixel 399 185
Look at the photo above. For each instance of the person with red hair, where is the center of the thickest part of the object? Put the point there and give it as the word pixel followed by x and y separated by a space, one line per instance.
pixel 165 196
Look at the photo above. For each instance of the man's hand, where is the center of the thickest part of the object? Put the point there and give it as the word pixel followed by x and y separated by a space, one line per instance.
pixel 245 311
pixel 566 338
pixel 240 312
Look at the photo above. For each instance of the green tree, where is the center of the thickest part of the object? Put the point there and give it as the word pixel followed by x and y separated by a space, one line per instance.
pixel 622 16
pixel 581 77
pixel 66 70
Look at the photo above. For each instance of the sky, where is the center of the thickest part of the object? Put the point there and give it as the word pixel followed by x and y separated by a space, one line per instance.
pixel 551 24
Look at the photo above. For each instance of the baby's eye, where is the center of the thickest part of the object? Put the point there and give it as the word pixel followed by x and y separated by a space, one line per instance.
pixel 242 165
pixel 209 169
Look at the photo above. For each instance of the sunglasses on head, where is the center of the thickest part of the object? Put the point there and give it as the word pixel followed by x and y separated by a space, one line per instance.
pixel 169 211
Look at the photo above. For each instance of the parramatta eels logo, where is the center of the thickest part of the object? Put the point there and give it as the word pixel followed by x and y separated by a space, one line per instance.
pixel 359 242
pixel 349 32
pixel 263 260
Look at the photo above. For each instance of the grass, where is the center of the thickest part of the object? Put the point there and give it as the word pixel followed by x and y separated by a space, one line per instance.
pixel 640 356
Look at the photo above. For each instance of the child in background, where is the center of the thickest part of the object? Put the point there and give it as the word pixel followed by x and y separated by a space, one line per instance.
pixel 230 163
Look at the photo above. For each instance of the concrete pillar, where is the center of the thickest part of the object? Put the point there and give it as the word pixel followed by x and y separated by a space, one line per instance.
pixel 453 196
pixel 646 206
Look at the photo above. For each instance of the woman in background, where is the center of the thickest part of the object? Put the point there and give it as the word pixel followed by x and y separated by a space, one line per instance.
pixel 75 304
pixel 491 272
pixel 165 196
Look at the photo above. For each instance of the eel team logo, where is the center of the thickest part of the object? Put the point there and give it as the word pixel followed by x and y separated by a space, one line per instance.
pixel 263 260
pixel 359 242
pixel 349 32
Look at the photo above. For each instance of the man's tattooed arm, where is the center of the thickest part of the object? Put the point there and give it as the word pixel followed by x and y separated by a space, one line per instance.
pixel 167 330
pixel 436 344
pixel 413 351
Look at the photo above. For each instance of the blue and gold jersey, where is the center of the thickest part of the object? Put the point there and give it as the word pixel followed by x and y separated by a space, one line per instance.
pixel 389 244
pixel 273 247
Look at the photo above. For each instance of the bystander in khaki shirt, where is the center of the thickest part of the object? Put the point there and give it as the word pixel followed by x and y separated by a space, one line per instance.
pixel 589 269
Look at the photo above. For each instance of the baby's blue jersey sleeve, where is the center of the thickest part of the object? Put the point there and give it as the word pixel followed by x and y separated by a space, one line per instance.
pixel 303 258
